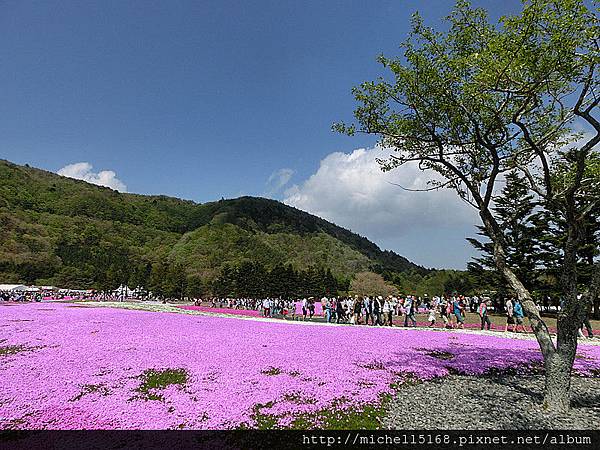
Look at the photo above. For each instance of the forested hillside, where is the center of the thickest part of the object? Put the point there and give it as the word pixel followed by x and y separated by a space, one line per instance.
pixel 56 230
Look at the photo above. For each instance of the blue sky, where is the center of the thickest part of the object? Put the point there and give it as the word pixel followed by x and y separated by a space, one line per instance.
pixel 203 100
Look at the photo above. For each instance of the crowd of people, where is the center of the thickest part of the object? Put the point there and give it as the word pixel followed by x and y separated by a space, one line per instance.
pixel 20 296
pixel 371 310
pixel 445 311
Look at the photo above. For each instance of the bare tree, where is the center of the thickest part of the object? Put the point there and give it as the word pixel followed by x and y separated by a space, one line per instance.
pixel 369 283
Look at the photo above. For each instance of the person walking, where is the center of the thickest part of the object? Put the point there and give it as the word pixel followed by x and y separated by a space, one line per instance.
pixel 483 315
pixel 368 310
pixel 410 307
pixel 400 308
pixel 377 308
pixel 444 311
pixel 266 307
pixel 450 313
pixel 304 308
pixel 387 312
pixel 357 310
pixel 326 305
pixel 413 311
pixel 311 307
pixel 510 318
pixel 588 326
pixel 519 316
pixel 432 312
pixel 339 311
pixel 458 310
pixel 586 323
pixel 407 307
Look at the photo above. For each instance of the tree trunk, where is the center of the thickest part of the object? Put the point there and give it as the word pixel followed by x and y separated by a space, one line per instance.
pixel 559 364
pixel 559 358
pixel 558 382
pixel 540 330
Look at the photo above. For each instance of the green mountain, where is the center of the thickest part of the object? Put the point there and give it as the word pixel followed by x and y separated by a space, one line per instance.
pixel 57 230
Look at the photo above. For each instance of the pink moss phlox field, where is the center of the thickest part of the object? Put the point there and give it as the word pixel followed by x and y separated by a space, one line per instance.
pixel 82 367
pixel 231 311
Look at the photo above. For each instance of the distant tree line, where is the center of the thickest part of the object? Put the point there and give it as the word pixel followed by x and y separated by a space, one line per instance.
pixel 252 279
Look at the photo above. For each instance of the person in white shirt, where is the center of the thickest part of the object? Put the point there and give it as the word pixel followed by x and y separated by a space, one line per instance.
pixel 388 311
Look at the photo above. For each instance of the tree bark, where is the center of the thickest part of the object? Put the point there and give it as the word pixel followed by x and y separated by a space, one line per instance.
pixel 542 334
pixel 558 382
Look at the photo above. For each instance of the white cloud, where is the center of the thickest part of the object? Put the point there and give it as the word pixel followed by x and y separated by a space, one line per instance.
pixel 351 190
pixel 278 180
pixel 83 171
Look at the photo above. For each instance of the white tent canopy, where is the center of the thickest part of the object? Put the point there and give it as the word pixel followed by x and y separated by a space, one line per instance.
pixel 13 287
pixel 124 290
